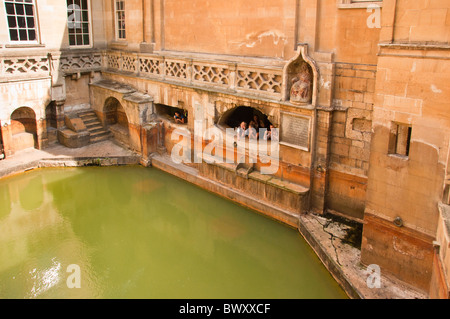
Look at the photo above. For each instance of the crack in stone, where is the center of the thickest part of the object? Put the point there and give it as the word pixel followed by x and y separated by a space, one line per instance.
pixel 332 236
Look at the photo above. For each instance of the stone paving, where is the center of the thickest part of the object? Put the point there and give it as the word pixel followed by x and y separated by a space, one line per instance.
pixel 327 235
pixel 30 158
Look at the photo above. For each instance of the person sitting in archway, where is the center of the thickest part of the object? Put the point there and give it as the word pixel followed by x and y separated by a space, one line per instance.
pixel 179 118
pixel 242 131
pixel 252 131
pixel 259 123
pixel 271 133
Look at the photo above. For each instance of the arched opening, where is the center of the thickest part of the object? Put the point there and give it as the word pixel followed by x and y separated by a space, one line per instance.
pixel 116 120
pixel 234 117
pixel 171 113
pixel 24 129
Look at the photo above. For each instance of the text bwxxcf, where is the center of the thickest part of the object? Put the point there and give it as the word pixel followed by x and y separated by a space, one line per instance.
pixel 246 308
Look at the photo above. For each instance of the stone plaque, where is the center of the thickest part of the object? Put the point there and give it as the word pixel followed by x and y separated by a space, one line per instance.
pixel 294 130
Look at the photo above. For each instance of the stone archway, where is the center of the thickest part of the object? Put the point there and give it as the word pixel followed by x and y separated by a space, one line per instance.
pixel 116 120
pixel 24 129
pixel 233 117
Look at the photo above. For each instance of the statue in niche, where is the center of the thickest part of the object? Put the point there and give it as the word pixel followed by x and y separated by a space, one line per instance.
pixel 301 86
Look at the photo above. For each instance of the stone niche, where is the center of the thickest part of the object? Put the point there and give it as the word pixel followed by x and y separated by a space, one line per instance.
pixel 300 76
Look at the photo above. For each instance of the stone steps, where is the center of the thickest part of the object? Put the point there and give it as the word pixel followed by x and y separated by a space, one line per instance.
pixel 95 128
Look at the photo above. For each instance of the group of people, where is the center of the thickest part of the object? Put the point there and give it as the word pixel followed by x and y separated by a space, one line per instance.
pixel 255 127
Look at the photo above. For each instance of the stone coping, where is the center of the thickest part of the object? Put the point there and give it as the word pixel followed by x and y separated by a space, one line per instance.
pixel 138 98
pixel 70 162
pixel 114 86
pixel 105 153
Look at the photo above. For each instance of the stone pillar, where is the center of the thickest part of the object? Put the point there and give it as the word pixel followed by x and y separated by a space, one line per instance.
pixel 147 43
pixel 319 178
pixel 161 135
pixel 41 132
pixel 60 121
pixel 149 140
pixel 8 146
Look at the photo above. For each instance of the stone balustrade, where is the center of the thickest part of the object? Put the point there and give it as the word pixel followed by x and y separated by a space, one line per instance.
pixel 226 76
pixel 37 66
pixel 80 62
pixel 13 67
pixel 231 77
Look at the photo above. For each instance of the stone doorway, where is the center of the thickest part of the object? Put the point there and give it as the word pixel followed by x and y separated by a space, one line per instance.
pixel 116 120
pixel 24 129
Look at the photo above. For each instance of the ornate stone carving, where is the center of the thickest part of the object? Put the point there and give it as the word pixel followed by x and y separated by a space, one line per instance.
pixel 265 81
pixel 176 69
pixel 301 89
pixel 26 66
pixel 210 74
pixel 150 66
pixel 300 78
pixel 86 61
pixel 256 80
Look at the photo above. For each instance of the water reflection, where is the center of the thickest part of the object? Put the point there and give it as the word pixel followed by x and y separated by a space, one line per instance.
pixel 31 192
pixel 37 244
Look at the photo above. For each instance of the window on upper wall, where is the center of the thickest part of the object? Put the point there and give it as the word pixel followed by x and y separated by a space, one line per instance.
pixel 400 139
pixel 120 20
pixel 21 18
pixel 79 25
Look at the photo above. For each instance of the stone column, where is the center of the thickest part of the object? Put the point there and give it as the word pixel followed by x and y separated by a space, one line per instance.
pixel 319 178
pixel 60 122
pixel 41 132
pixel 8 146
pixel 147 44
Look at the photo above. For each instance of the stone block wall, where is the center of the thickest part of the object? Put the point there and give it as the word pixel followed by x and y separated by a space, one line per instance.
pixel 351 129
pixel 422 21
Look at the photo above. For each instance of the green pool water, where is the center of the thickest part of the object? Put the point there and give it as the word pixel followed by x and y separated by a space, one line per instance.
pixel 136 232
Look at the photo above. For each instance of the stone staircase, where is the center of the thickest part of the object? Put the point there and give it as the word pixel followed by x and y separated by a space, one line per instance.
pixel 95 128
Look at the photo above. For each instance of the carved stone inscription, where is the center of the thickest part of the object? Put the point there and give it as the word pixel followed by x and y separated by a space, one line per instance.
pixel 295 130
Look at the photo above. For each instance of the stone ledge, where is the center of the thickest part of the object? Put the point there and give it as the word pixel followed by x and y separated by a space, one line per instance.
pixel 114 86
pixel 138 98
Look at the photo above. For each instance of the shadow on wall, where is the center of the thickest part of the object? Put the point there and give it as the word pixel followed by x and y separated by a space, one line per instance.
pixel 115 113
pixel 172 113
pixel 234 117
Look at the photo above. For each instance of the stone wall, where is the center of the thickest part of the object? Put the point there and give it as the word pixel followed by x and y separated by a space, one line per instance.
pixel 404 189
pixel 422 21
pixel 351 131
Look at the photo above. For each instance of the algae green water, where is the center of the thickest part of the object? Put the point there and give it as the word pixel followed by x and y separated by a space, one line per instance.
pixel 135 232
